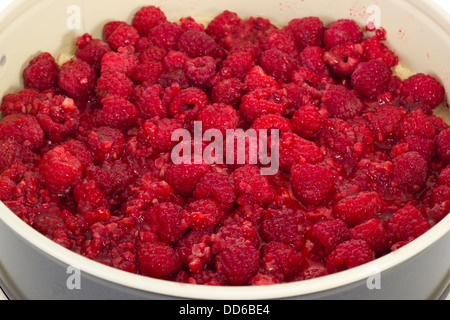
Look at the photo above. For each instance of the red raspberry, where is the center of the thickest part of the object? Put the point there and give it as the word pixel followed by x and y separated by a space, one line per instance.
pixel 312 273
pixel 281 260
pixel 251 186
pixel 193 251
pixel 342 103
pixel 167 219
pixel 425 147
pixel 148 100
pixel 110 27
pixel 342 31
pixel 148 72
pixel 223 25
pixel 385 122
pixel 24 129
pixel 184 177
pixel 186 104
pixel 371 78
pixel 197 44
pixel 41 73
pixel 121 61
pixel 285 225
pixel 217 186
pixel 147 18
pixel 106 144
pixel 91 50
pixel 60 171
pixel 327 235
pixel 174 60
pixel 114 83
pixel 228 91
pixel 422 88
pixel 343 59
pixel 157 133
pixel 374 233
pixel 189 23
pixel 200 71
pixel 295 149
pixel 171 77
pixel 13 152
pixel 262 102
pixel 6 188
pixel 357 208
pixel 444 176
pixel 117 112
pixel 77 78
pixel 218 116
pixel 313 58
pixel 311 184
pixel 89 197
pixel 409 171
pixel 405 223
pixel 232 232
pixel 165 35
pixel 278 64
pixel 272 121
pixel 279 39
pixel 113 178
pixel 123 36
pixel 258 79
pixel 238 263
pixel 307 32
pixel 20 102
pixel 417 123
pixel 307 121
pixel 237 65
pixel 374 48
pixel 157 259
pixel 203 214
pixel 349 254
pixel 153 53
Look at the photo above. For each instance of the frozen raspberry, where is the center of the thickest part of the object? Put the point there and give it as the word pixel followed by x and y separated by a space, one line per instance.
pixel 349 254
pixel 148 100
pixel 257 78
pixel 60 170
pixel 251 186
pixel 311 184
pixel 223 25
pixel 371 78
pixel 20 102
pixel 281 260
pixel 24 129
pixel 342 31
pixel 41 73
pixel 200 71
pixel 417 123
pixel 13 152
pixel 237 65
pixel 147 18
pixel 409 171
pixel 184 177
pixel 218 116
pixel 307 32
pixel 91 50
pixel 114 83
pixel 106 144
pixel 307 121
pixel 262 102
pixel 157 259
pixel 327 235
pixel 342 103
pixel 343 58
pixel 197 44
pixel 358 208
pixel 372 231
pixel 165 35
pixel 121 61
pixel 174 60
pixel 422 88
pixel 203 214
pixel 117 112
pixel 313 59
pixel 238 263
pixel 77 78
pixel 123 36
pixel 148 72
pixel 405 223
pixel 157 133
pixel 167 219
pixel 285 225
pixel 278 64
pixel 385 122
pixel 228 91
pixel 294 149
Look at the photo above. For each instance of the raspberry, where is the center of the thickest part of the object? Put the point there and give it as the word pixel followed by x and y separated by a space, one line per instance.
pixel 200 71
pixel 307 121
pixel 148 72
pixel 409 171
pixel 251 186
pixel 157 133
pixel 272 121
pixel 184 177
pixel 174 60
pixel 91 50
pixel 311 184
pixel 167 219
pixel 148 100
pixel 165 35
pixel 417 123
pixel 106 144
pixel 257 78
pixel 77 78
pixel 374 233
pixel 307 32
pixel 89 197
pixel 114 83
pixel 112 177
pixel 117 112
pixel 281 260
pixel 295 149
pixel 374 48
pixel 23 129
pixel 342 103
pixel 41 73
pixel 223 25
pixel 193 251
pixel 189 23
pixel 123 36
pixel 262 102
pixel 157 259
pixel 349 254
pixel 358 208
pixel 279 39
pixel 228 91
pixel 385 122
pixel 312 273
pixel 342 31
pixel 371 78
pixel 237 65
pixel 60 171
pixel 343 59
pixel 285 225
pixel 13 152
pixel 20 102
pixel 171 77
pixel 110 27
pixel 329 234
pixel 217 186
pixel 197 44
pixel 238 263
pixel 278 64
pixel 422 88
pixel 121 61
pixel 6 188
pixel 186 104
pixel 218 116
pixel 313 58
pixel 147 18
pixel 203 214
pixel 232 232
pixel 153 53
pixel 425 147
pixel 405 223
pixel 444 176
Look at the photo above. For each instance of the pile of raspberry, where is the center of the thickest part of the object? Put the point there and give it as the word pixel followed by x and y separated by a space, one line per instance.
pixel 364 162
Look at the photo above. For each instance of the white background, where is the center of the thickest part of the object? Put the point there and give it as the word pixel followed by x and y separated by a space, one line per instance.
pixel 4 3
